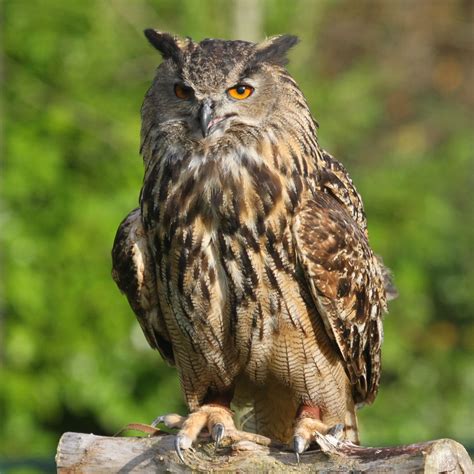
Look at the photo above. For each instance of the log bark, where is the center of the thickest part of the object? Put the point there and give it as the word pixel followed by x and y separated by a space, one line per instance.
pixel 88 453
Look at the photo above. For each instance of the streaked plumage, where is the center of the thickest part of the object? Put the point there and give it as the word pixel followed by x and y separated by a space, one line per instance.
pixel 248 263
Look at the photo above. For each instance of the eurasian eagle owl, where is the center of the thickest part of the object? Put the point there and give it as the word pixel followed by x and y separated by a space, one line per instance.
pixel 248 263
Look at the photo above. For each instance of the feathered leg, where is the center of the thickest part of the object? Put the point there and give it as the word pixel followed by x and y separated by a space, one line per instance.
pixel 215 418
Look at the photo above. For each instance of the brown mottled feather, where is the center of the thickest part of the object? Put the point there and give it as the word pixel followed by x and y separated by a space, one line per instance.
pixel 248 262
pixel 347 287
pixel 133 271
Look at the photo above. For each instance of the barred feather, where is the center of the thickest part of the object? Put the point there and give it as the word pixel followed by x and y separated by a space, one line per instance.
pixel 254 272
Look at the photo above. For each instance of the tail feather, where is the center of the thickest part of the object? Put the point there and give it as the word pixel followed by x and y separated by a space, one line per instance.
pixel 351 428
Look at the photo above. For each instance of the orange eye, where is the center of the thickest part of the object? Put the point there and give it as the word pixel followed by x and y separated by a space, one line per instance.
pixel 240 91
pixel 183 92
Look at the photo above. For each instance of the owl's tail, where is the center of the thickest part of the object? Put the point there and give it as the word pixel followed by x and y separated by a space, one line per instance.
pixel 351 428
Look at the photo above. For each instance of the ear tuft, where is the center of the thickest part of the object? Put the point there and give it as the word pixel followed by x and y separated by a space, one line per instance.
pixel 166 44
pixel 274 49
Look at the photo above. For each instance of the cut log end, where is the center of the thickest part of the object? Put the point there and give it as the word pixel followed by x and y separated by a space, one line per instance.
pixel 88 453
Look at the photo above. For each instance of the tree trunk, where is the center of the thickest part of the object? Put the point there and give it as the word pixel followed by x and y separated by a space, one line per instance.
pixel 87 453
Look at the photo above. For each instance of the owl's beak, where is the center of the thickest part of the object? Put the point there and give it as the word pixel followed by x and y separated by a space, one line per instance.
pixel 205 117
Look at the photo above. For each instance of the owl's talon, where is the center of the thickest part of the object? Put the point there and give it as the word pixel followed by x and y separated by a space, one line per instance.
pixel 308 424
pixel 177 448
pixel 299 446
pixel 209 421
pixel 218 431
pixel 336 430
pixel 157 421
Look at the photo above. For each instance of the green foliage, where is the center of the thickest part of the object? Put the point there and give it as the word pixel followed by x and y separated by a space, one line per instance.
pixel 393 98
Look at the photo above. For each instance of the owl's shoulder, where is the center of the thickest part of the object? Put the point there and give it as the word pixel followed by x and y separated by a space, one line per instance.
pixel 335 180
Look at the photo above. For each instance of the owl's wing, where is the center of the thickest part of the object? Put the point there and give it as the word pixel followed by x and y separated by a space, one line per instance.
pixel 335 180
pixel 346 284
pixel 134 272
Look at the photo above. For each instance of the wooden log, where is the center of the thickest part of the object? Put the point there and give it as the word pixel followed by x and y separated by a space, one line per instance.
pixel 88 453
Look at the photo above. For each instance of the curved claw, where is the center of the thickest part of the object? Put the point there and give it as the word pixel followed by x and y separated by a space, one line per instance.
pixel 218 431
pixel 336 430
pixel 177 448
pixel 157 421
pixel 298 447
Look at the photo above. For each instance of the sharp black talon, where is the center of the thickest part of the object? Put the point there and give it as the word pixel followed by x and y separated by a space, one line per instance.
pixel 218 431
pixel 177 448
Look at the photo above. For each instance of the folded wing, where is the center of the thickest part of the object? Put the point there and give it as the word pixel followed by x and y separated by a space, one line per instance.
pixel 133 270
pixel 345 278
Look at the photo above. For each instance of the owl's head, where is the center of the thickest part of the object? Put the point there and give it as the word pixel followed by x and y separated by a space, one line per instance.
pixel 208 87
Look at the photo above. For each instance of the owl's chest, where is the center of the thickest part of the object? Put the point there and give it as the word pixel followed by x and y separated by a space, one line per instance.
pixel 228 296
pixel 223 248
pixel 225 265
pixel 222 191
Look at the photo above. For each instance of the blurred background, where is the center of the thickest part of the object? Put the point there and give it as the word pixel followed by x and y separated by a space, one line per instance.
pixel 391 84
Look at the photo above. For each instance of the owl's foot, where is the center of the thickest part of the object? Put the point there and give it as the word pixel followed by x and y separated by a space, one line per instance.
pixel 307 424
pixel 218 422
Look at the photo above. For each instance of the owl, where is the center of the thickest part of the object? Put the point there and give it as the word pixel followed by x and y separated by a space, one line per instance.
pixel 247 262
